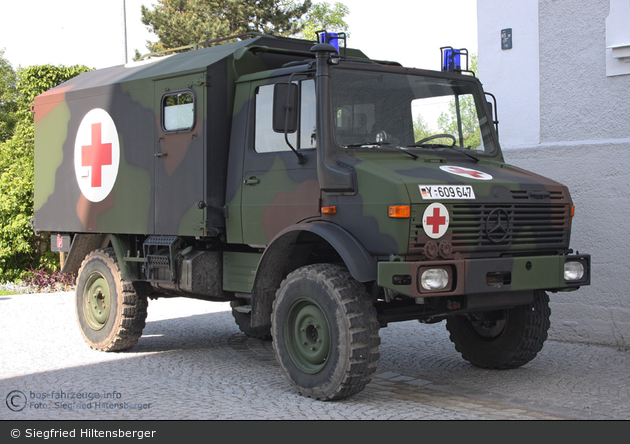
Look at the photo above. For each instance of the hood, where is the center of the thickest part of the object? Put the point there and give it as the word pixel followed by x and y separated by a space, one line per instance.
pixel 437 179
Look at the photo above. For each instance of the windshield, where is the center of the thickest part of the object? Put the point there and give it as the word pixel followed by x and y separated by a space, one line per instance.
pixel 380 110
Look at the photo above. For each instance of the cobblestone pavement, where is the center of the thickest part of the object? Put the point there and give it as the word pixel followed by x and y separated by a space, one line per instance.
pixel 193 363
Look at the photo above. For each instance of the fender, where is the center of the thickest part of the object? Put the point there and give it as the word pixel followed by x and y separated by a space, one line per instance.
pixel 82 245
pixel 361 264
pixel 284 254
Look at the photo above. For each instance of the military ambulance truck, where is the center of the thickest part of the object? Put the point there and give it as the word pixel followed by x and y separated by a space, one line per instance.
pixel 322 194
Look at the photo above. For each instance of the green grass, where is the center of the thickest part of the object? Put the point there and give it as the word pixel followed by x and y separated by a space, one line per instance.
pixel 6 293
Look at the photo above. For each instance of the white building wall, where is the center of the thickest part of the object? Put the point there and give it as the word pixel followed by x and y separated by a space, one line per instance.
pixel 583 141
pixel 511 74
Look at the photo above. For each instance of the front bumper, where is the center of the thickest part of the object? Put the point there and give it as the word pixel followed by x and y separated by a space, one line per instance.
pixel 484 276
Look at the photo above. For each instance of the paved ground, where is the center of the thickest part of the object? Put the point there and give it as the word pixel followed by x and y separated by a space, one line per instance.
pixel 193 363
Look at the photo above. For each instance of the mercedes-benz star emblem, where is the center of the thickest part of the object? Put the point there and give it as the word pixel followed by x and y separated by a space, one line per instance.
pixel 498 225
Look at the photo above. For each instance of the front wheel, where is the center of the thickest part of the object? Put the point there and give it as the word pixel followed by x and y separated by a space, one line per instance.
pixel 325 332
pixel 110 311
pixel 502 339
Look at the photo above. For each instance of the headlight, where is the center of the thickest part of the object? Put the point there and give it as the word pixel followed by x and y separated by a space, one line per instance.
pixel 573 271
pixel 434 279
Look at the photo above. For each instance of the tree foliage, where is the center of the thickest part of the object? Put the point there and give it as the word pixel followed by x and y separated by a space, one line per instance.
pixel 186 22
pixel 20 249
pixel 323 16
pixel 421 128
pixel 448 122
pixel 8 98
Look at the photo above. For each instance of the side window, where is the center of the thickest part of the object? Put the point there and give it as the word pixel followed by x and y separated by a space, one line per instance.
pixel 308 117
pixel 267 140
pixel 178 111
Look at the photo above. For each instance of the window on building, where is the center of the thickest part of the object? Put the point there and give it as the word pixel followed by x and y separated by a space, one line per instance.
pixel 618 38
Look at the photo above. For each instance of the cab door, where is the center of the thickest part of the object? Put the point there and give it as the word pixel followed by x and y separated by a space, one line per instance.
pixel 179 156
pixel 278 190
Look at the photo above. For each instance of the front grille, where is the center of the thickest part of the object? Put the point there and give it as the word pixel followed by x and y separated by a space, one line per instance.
pixel 532 227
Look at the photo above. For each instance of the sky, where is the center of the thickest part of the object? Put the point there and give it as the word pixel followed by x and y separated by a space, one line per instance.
pixel 91 32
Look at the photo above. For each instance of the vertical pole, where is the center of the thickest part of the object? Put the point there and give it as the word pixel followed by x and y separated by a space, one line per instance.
pixel 125 28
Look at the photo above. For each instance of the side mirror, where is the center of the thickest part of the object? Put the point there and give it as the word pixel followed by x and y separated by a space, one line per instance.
pixel 492 107
pixel 285 107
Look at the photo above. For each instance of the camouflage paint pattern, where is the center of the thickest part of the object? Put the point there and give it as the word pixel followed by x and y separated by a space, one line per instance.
pixel 152 194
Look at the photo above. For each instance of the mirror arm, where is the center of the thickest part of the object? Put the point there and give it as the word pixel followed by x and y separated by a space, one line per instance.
pixel 287 109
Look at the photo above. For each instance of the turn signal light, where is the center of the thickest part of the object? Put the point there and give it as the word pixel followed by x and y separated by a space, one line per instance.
pixel 329 210
pixel 399 211
pixel 572 210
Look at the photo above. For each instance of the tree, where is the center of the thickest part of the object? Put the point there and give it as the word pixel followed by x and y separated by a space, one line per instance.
pixel 469 121
pixel 186 22
pixel 323 16
pixel 20 249
pixel 421 128
pixel 8 97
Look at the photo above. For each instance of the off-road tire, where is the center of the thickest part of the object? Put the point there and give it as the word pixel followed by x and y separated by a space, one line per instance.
pixel 111 312
pixel 325 332
pixel 521 337
pixel 243 320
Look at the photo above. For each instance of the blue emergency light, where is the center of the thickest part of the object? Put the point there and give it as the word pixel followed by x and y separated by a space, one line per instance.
pixel 332 38
pixel 451 59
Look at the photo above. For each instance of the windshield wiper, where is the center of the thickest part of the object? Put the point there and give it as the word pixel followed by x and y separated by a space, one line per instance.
pixel 359 145
pixel 439 145
pixel 414 155
pixel 462 150
pixel 380 144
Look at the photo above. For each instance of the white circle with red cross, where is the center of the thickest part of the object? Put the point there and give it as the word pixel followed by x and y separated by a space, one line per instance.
pixel 466 172
pixel 435 220
pixel 96 155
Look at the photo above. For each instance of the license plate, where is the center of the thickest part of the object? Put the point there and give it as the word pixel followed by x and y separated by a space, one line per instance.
pixel 433 192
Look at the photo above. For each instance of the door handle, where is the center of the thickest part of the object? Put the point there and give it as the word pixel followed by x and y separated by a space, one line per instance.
pixel 251 180
pixel 158 155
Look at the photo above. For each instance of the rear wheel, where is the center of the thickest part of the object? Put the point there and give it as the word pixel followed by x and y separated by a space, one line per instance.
pixel 110 311
pixel 502 339
pixel 325 332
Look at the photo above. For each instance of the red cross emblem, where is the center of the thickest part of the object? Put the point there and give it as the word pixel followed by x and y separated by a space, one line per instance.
pixel 435 220
pixel 466 172
pixel 471 173
pixel 96 155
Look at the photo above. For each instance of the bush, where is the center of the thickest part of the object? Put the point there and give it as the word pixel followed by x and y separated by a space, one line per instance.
pixel 20 249
pixel 47 280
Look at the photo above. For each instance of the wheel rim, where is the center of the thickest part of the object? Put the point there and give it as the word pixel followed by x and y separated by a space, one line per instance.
pixel 489 328
pixel 308 336
pixel 96 301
